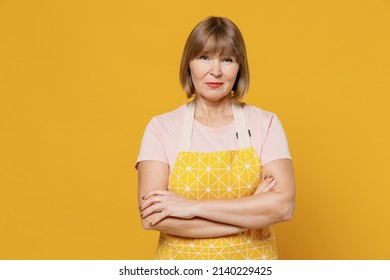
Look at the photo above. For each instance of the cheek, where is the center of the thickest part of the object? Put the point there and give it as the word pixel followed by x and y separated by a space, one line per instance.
pixel 232 75
pixel 194 72
pixel 197 74
pixel 195 79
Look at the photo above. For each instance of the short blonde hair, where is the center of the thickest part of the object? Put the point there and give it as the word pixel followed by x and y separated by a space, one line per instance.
pixel 215 35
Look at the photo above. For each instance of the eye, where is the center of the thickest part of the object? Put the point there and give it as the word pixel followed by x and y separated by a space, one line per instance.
pixel 227 59
pixel 203 57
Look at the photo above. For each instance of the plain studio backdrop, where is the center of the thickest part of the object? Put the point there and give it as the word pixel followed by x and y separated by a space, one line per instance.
pixel 80 80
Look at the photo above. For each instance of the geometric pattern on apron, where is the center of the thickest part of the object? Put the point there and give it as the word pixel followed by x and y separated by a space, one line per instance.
pixel 217 175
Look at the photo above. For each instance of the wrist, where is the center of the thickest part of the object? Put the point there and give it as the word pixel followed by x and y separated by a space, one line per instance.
pixel 197 207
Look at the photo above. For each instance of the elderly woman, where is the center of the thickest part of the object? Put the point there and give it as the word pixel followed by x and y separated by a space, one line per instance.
pixel 215 173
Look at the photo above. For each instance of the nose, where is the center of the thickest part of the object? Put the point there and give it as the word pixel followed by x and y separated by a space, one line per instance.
pixel 216 68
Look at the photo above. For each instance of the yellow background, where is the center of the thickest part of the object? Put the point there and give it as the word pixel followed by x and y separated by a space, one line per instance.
pixel 79 81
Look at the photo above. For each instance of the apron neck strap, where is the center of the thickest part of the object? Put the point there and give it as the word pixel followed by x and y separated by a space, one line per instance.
pixel 243 132
pixel 186 132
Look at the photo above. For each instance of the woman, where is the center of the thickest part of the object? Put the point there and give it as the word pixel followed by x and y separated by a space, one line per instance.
pixel 215 173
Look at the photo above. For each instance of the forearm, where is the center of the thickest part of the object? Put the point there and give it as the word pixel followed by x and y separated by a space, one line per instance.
pixel 178 214
pixel 255 211
pixel 192 228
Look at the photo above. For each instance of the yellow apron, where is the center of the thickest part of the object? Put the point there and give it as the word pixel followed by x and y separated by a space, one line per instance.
pixel 217 175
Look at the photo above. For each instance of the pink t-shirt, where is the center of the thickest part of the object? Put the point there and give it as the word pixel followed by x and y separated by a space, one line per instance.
pixel 161 140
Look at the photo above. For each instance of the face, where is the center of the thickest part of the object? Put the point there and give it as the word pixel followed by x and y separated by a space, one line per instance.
pixel 213 76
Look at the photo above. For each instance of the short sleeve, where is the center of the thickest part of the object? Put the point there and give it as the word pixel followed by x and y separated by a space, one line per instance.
pixel 152 146
pixel 275 145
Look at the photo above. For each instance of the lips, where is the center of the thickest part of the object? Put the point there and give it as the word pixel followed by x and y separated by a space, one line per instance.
pixel 214 84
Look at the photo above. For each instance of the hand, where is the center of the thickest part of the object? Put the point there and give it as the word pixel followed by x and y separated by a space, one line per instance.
pixel 267 185
pixel 166 204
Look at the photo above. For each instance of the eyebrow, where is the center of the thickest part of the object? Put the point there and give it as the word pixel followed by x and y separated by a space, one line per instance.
pixel 223 54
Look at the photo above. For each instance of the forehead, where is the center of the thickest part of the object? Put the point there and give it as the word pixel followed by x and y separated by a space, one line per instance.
pixel 219 46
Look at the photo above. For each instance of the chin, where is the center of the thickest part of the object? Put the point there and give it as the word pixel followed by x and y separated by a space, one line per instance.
pixel 214 97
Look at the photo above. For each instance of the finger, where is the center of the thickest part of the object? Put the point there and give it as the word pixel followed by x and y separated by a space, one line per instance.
pixel 268 180
pixel 154 193
pixel 158 218
pixel 264 182
pixel 146 204
pixel 152 200
pixel 151 210
pixel 269 186
pixel 265 185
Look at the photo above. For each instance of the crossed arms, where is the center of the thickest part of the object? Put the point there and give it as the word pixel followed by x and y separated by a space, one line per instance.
pixel 168 212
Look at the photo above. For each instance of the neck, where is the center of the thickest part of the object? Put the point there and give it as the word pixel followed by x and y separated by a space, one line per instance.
pixel 214 113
